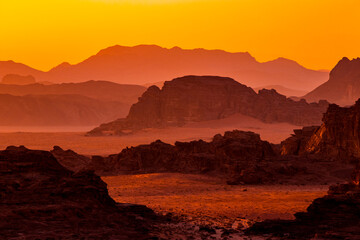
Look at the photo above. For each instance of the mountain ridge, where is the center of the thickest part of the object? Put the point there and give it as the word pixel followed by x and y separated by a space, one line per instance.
pixel 151 63
pixel 343 85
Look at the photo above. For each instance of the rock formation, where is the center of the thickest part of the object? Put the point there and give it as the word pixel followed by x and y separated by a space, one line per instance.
pixel 40 199
pixel 343 86
pixel 296 144
pixel 224 155
pixel 18 79
pixel 201 98
pixel 337 138
pixel 237 157
pixel 334 216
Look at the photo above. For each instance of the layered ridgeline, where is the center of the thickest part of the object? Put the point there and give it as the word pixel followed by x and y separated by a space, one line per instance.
pixel 40 199
pixel 202 98
pixel 69 104
pixel 337 138
pixel 149 64
pixel 102 90
pixel 57 110
pixel 343 86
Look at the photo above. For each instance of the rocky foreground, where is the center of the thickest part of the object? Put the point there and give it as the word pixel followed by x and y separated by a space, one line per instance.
pixel 40 199
pixel 334 216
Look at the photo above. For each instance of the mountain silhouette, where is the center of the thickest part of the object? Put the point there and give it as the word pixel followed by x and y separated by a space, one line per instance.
pixel 102 90
pixel 343 86
pixel 150 63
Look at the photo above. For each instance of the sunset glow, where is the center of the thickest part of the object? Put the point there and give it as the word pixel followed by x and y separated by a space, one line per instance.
pixel 44 33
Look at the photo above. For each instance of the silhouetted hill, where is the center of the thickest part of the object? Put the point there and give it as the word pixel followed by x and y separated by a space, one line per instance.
pixel 18 79
pixel 202 98
pixel 343 86
pixel 149 63
pixel 57 110
pixel 102 90
pixel 11 67
pixel 283 90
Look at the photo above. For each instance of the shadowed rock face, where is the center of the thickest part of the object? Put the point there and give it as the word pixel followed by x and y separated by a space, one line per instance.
pixel 40 199
pixel 202 98
pixel 337 138
pixel 343 86
pixel 297 143
pixel 226 154
pixel 237 157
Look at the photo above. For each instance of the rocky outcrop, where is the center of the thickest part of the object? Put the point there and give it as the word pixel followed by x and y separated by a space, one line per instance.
pixel 343 86
pixel 334 216
pixel 201 98
pixel 70 159
pixel 40 199
pixel 337 138
pixel 226 155
pixel 237 157
pixel 18 79
pixel 296 144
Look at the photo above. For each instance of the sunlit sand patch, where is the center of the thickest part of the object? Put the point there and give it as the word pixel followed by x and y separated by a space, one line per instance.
pixel 207 200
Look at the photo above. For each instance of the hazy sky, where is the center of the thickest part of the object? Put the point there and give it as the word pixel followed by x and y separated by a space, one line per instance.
pixel 316 33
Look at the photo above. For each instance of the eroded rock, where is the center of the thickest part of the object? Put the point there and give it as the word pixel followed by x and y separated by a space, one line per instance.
pixel 40 199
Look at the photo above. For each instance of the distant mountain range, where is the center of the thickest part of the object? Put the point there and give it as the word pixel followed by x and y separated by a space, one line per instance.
pixel 67 104
pixel 283 90
pixel 57 110
pixel 343 86
pixel 102 90
pixel 149 63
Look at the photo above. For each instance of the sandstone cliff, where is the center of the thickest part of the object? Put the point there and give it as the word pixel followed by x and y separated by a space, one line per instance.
pixel 201 98
pixel 337 138
pixel 40 199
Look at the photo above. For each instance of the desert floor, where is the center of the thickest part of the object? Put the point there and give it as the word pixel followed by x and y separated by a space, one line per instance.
pixel 208 200
pixel 45 138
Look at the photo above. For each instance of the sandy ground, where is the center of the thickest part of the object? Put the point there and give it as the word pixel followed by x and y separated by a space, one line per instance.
pixel 208 200
pixel 37 138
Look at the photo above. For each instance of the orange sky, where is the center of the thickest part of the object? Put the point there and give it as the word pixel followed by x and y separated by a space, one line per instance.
pixel 44 33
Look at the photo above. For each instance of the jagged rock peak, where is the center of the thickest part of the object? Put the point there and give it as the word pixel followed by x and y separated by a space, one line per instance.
pixel 345 67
